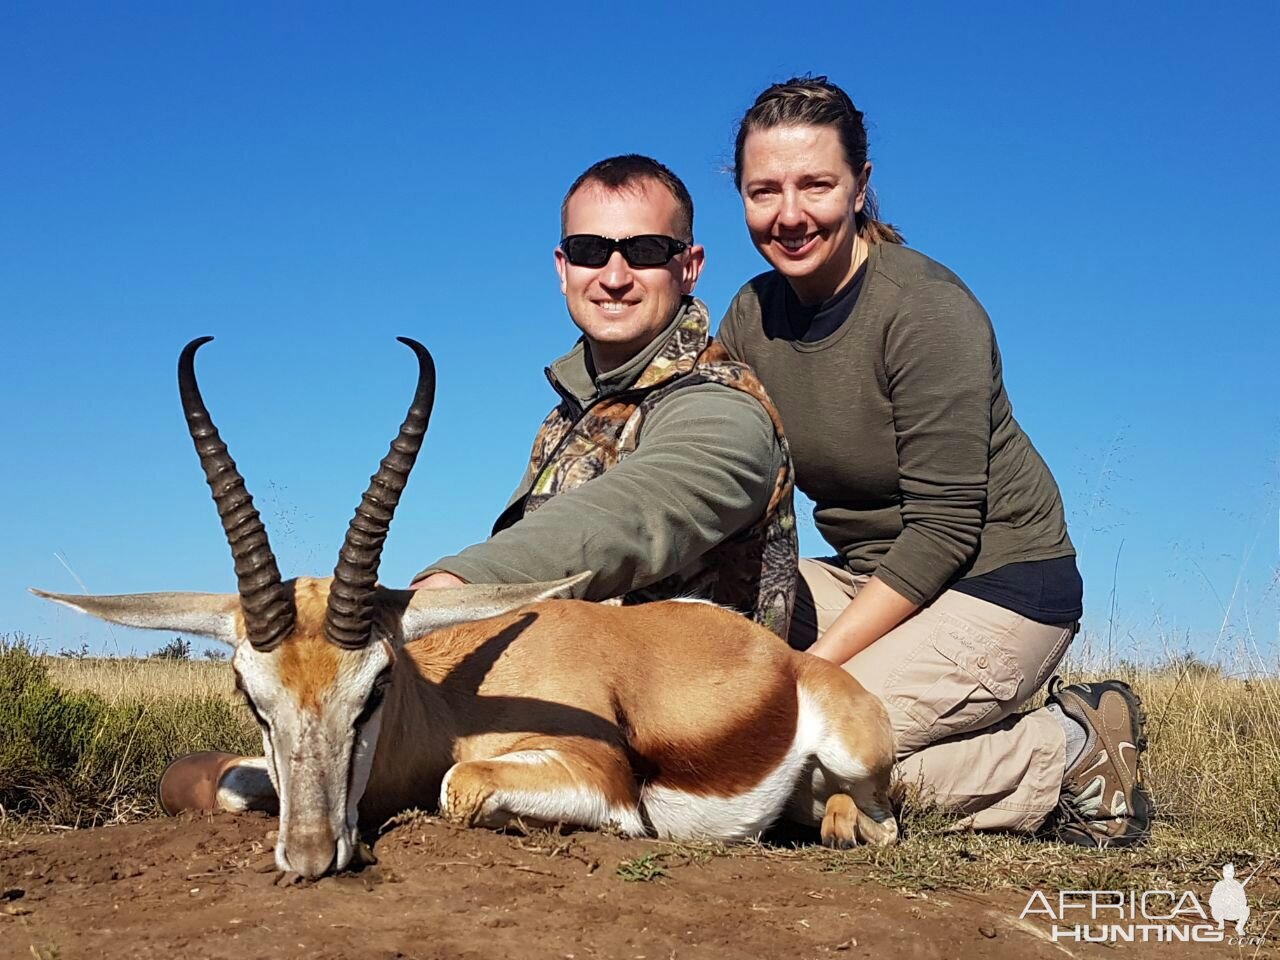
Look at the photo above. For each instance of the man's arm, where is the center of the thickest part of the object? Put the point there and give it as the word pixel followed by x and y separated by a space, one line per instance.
pixel 705 469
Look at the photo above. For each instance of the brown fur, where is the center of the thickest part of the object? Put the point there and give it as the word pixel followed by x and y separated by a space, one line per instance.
pixel 840 693
pixel 862 724
pixel 308 662
pixel 688 696
pixel 622 677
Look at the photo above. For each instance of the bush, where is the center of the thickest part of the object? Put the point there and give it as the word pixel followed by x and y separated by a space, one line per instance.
pixel 175 649
pixel 70 757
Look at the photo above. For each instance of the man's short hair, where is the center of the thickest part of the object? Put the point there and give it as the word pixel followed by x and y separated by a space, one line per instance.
pixel 626 172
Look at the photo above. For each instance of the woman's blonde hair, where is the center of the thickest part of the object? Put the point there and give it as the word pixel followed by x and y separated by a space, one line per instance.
pixel 818 102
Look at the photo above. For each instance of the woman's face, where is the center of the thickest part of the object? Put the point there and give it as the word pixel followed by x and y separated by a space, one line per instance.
pixel 800 198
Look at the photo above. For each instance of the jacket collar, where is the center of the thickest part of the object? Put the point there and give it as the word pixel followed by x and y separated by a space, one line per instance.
pixel 670 354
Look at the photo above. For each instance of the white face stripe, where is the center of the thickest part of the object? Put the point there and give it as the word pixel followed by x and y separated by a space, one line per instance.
pixel 318 763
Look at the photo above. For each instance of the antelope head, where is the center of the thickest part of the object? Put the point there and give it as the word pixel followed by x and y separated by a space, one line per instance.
pixel 313 657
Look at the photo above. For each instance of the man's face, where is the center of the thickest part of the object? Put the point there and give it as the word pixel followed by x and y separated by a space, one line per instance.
pixel 618 307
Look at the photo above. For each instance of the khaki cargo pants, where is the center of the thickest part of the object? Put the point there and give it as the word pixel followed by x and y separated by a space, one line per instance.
pixel 952 677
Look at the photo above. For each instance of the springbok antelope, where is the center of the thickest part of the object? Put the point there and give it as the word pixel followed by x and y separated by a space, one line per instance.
pixel 671 719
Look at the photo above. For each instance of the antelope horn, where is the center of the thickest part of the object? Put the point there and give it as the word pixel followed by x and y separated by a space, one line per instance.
pixel 349 617
pixel 266 601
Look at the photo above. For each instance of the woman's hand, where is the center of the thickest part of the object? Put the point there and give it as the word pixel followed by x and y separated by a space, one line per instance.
pixel 876 610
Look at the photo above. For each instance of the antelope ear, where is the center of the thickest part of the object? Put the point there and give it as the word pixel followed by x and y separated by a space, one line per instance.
pixel 430 610
pixel 215 615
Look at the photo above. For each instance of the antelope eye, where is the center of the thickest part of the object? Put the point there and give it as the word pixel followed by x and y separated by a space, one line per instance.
pixel 248 702
pixel 374 700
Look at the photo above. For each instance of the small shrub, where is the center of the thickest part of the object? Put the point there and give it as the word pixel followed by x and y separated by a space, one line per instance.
pixel 642 869
pixel 175 649
pixel 216 654
pixel 71 757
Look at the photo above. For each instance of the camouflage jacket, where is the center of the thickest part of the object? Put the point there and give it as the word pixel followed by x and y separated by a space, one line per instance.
pixel 754 571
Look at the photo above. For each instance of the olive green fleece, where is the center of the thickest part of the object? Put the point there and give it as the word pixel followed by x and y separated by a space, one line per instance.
pixel 900 428
pixel 703 469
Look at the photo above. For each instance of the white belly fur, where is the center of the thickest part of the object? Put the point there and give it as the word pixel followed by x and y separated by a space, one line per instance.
pixel 678 815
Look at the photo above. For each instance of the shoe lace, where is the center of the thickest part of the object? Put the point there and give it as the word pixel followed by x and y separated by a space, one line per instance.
pixel 1066 814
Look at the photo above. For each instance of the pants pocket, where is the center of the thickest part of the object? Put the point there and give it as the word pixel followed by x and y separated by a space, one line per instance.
pixel 962 680
pixel 1056 654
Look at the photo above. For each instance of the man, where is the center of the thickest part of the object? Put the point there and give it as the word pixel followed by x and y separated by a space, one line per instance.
pixel 663 469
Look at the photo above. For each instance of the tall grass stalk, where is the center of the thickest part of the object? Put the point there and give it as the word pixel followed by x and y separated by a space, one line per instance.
pixel 126 678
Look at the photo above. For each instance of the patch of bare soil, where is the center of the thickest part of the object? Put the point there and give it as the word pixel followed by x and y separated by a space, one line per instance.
pixel 208 887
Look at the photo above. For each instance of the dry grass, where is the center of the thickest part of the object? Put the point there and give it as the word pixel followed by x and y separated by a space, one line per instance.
pixel 116 679
pixel 1213 767
pixel 1213 760
pixel 76 754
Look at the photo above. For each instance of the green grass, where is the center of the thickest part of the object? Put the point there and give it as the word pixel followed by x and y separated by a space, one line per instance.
pixel 643 869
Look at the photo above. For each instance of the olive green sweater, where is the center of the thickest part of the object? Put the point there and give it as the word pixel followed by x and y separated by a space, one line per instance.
pixel 900 428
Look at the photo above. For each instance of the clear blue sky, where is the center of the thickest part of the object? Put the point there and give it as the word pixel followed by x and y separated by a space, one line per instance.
pixel 306 181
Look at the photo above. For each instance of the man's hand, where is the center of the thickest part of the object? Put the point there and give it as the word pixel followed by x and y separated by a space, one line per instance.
pixel 437 580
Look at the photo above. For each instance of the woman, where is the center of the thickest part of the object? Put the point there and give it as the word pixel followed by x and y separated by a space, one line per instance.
pixel 955 592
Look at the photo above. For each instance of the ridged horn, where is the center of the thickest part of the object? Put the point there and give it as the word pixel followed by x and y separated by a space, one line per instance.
pixel 266 601
pixel 349 617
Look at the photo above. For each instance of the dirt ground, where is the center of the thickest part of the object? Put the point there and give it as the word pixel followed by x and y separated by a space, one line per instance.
pixel 207 887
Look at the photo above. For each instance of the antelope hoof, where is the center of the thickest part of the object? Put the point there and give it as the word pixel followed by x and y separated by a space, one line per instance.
pixel 839 825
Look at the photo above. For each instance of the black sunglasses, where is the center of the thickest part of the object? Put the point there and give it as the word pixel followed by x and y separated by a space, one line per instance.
pixel 647 250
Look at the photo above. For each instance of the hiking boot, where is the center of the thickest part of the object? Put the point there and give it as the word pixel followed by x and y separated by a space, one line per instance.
pixel 215 781
pixel 1104 801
